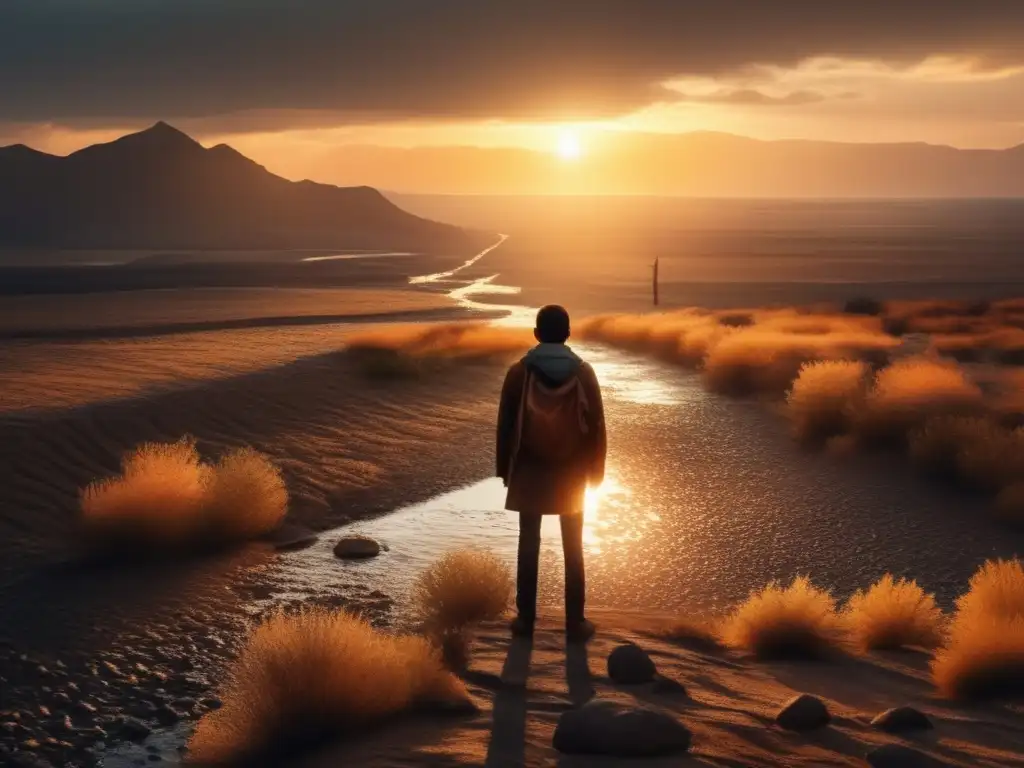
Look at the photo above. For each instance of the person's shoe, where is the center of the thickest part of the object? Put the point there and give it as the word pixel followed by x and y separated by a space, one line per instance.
pixel 579 631
pixel 521 627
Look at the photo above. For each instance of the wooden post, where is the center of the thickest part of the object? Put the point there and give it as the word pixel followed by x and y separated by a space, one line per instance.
pixel 655 282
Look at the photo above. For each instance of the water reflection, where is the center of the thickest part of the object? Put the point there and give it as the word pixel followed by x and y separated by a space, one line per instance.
pixel 469 517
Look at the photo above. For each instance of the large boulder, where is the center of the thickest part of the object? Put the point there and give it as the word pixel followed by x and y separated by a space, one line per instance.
pixel 356 547
pixel 617 730
pixel 902 720
pixel 803 713
pixel 630 665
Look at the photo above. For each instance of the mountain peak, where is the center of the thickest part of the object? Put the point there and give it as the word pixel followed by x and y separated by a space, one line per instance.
pixel 164 134
pixel 160 140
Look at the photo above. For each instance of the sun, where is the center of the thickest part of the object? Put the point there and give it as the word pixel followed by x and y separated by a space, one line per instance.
pixel 569 147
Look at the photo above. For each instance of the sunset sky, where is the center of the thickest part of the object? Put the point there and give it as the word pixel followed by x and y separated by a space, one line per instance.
pixel 300 85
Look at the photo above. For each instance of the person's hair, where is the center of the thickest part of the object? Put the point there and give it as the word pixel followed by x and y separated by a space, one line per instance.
pixel 552 325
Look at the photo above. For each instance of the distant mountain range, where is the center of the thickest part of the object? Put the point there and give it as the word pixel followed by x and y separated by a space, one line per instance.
pixel 689 164
pixel 160 189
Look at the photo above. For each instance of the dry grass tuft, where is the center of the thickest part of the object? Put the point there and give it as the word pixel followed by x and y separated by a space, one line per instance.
pixel 984 655
pixel 165 497
pixel 160 496
pixel 824 396
pixel 767 358
pixel 245 495
pixel 307 677
pixel 462 589
pixel 462 341
pixel 909 392
pixel 794 622
pixel 894 614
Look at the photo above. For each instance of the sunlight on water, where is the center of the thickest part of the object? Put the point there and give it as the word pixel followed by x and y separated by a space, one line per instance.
pixel 351 256
pixel 471 517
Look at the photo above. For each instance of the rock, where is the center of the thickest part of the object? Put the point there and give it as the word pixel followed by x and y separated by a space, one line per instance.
pixel 630 665
pixel 61 699
pixel 356 547
pixel 133 730
pixel 211 702
pixel 803 713
pixel 899 756
pixel 167 715
pixel 617 730
pixel 901 720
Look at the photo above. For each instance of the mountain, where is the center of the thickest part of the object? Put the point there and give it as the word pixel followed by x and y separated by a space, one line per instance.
pixel 689 164
pixel 161 189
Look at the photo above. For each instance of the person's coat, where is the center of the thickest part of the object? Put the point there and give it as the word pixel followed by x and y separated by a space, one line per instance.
pixel 535 486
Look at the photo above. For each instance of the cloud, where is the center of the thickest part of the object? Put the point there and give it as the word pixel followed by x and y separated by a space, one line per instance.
pixel 67 61
pixel 754 97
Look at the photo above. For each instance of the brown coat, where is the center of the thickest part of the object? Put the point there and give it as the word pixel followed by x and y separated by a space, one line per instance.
pixel 536 487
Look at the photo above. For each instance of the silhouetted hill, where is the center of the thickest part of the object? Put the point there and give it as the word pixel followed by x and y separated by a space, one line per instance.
pixel 691 164
pixel 161 189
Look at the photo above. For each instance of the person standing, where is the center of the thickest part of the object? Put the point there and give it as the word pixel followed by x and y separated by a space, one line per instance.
pixel 551 445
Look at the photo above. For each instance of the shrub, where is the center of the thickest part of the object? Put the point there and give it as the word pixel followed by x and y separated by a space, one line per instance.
pixel 894 614
pixel 824 396
pixel 909 392
pixel 767 360
pixel 461 589
pixel 245 495
pixel 681 337
pixel 165 497
pixel 159 497
pixel 440 341
pixel 795 622
pixel 306 677
pixel 937 445
pixel 984 655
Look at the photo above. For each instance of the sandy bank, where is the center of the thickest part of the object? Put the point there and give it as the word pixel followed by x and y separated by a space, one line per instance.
pixel 729 704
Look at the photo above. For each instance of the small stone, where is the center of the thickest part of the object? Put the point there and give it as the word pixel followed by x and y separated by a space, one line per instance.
pixel 61 699
pixel 211 702
pixel 356 547
pixel 44 711
pixel 900 756
pixel 630 665
pixel 614 729
pixel 901 720
pixel 85 708
pixel 133 730
pixel 803 713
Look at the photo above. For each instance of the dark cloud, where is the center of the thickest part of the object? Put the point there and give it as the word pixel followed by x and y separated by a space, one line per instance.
pixel 67 60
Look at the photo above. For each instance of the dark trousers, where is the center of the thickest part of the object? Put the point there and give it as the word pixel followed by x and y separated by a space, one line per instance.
pixel 529 559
